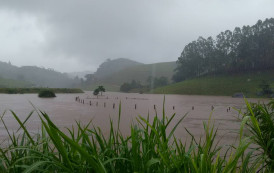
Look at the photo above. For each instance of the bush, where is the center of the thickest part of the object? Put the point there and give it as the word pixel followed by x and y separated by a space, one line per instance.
pixel 46 94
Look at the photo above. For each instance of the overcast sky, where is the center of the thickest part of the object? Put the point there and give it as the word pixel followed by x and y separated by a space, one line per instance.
pixel 78 35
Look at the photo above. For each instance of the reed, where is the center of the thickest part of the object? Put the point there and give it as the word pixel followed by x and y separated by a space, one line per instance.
pixel 260 124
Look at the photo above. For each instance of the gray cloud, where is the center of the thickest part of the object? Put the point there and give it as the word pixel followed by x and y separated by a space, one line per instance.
pixel 71 35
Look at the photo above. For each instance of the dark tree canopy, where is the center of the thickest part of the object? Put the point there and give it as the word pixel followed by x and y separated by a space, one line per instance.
pixel 101 89
pixel 98 90
pixel 245 49
pixel 152 82
pixel 126 87
pixel 46 93
pixel 155 82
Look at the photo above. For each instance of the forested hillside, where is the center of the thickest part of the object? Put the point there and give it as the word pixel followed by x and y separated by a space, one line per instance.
pixel 38 77
pixel 245 49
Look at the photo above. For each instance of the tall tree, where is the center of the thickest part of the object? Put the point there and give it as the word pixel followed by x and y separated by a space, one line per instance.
pixel 245 49
pixel 101 89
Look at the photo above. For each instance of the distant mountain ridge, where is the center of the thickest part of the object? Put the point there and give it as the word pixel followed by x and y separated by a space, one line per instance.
pixel 112 74
pixel 79 74
pixel 38 77
pixel 139 72
pixel 111 66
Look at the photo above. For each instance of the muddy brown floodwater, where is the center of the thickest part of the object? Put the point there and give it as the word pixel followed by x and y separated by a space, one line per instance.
pixel 64 110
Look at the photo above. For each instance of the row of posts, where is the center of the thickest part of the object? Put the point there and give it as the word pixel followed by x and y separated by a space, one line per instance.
pixel 83 102
pixel 113 106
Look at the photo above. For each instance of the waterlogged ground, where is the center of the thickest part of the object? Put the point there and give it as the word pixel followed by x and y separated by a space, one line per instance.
pixel 64 110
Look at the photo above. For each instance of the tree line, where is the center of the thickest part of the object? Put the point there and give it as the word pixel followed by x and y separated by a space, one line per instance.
pixel 245 49
pixel 152 82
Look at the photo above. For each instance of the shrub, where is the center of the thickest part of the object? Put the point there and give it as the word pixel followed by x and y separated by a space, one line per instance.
pixel 46 94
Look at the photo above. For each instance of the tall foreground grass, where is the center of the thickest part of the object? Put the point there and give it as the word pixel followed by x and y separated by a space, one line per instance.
pixel 261 127
pixel 148 148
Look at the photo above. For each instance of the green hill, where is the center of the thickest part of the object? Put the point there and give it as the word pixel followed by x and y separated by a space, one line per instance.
pixel 111 66
pixel 225 85
pixel 39 77
pixel 139 72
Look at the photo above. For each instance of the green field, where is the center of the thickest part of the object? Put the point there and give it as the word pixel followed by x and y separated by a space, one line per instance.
pixel 225 85
pixel 37 90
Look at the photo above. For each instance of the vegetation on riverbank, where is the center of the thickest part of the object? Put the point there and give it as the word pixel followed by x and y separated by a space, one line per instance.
pixel 37 90
pixel 224 84
pixel 152 82
pixel 47 93
pixel 148 148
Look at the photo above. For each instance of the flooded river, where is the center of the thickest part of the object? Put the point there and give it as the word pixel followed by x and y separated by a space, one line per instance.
pixel 64 110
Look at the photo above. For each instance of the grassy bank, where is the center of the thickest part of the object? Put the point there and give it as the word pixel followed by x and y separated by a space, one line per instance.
pixel 37 90
pixel 148 148
pixel 225 85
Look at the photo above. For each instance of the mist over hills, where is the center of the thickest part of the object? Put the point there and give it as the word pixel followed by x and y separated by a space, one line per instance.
pixel 36 76
pixel 113 73
pixel 141 73
pixel 111 66
pixel 79 74
pixel 11 83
